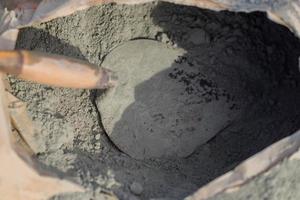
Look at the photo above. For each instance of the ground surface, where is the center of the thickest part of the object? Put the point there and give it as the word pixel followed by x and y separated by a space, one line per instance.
pixel 262 54
pixel 281 182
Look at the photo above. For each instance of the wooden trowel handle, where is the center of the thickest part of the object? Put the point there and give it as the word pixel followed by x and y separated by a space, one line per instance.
pixel 55 70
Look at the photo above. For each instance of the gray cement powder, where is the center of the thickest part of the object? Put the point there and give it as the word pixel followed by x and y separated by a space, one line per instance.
pixel 256 55
pixel 161 104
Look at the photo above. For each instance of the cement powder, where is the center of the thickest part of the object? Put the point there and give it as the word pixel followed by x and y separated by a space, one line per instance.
pixel 162 107
pixel 245 53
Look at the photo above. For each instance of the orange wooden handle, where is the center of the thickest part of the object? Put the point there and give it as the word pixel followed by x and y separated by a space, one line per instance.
pixel 55 70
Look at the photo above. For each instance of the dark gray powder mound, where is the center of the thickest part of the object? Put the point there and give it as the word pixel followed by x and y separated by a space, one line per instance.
pixel 245 53
pixel 163 107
